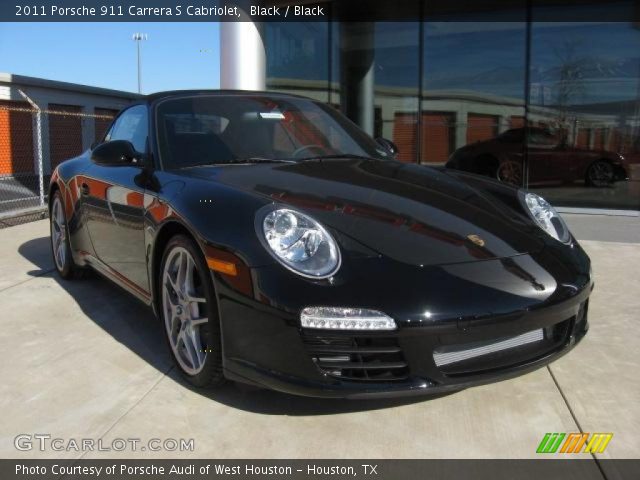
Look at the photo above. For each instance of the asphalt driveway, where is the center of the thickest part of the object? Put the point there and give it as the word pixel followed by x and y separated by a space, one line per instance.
pixel 83 359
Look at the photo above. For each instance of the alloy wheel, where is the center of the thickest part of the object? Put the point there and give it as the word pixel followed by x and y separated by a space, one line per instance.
pixel 58 234
pixel 185 310
pixel 601 174
pixel 510 172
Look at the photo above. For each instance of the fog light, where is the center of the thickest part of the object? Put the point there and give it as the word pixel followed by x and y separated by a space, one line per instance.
pixel 339 318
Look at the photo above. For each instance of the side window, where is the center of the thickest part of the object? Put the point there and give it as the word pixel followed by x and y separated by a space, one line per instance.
pixel 542 138
pixel 513 136
pixel 131 125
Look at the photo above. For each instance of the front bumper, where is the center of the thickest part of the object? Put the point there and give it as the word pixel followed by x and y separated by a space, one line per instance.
pixel 621 172
pixel 457 308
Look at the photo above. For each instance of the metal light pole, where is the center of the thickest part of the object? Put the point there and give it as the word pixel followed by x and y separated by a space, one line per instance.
pixel 138 37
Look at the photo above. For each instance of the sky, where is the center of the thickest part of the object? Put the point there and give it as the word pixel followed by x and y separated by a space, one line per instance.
pixel 174 56
pixel 458 55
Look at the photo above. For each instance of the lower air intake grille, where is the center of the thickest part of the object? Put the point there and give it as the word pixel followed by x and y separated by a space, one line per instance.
pixel 366 359
pixel 460 353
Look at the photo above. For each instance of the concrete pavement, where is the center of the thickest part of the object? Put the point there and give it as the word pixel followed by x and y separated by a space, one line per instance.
pixel 82 359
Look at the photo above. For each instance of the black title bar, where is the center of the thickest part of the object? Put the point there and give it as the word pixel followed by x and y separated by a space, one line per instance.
pixel 304 11
pixel 547 469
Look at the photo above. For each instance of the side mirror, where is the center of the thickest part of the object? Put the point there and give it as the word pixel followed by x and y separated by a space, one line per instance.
pixel 116 152
pixel 388 145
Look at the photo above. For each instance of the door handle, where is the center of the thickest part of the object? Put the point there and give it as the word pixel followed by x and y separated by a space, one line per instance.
pixel 84 189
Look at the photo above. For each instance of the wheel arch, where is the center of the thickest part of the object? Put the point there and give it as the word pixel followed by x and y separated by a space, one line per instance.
pixel 53 188
pixel 485 164
pixel 59 185
pixel 599 159
pixel 165 233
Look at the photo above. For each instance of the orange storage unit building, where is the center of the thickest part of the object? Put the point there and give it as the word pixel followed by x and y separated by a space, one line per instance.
pixel 16 138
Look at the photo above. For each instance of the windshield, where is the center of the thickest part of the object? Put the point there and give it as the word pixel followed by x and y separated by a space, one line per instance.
pixel 224 129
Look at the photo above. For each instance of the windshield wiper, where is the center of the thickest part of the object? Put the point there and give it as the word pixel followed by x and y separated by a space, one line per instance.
pixel 337 155
pixel 250 160
pixel 236 161
pixel 258 160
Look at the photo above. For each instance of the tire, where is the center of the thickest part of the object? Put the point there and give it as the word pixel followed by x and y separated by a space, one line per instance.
pixel 189 314
pixel 600 174
pixel 509 172
pixel 60 245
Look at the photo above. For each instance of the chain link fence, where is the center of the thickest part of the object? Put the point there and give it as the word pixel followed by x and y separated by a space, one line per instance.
pixel 32 143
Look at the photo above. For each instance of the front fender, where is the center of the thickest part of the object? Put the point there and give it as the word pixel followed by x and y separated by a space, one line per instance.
pixel 222 217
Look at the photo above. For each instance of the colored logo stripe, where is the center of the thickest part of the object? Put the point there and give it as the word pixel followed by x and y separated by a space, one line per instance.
pixel 598 442
pixel 574 442
pixel 550 443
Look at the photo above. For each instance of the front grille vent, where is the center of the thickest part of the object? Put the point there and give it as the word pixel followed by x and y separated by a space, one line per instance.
pixel 505 352
pixel 459 353
pixel 365 359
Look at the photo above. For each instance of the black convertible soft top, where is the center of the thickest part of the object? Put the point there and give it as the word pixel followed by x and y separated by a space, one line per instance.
pixel 180 93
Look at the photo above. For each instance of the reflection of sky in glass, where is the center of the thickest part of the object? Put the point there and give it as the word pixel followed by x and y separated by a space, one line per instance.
pixel 483 57
pixel 396 58
pixel 485 60
pixel 297 50
pixel 606 59
pixel 607 55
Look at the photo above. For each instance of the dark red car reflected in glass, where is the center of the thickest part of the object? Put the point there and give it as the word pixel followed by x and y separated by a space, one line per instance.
pixel 552 159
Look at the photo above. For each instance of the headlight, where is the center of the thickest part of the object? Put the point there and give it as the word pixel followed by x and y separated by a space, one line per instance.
pixel 300 243
pixel 546 217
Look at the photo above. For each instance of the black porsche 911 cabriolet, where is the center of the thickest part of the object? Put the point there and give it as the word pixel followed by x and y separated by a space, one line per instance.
pixel 283 247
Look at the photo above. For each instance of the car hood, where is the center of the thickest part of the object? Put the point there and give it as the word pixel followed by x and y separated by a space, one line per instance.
pixel 410 213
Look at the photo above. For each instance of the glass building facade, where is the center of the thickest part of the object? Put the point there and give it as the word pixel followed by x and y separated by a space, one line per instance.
pixel 549 105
